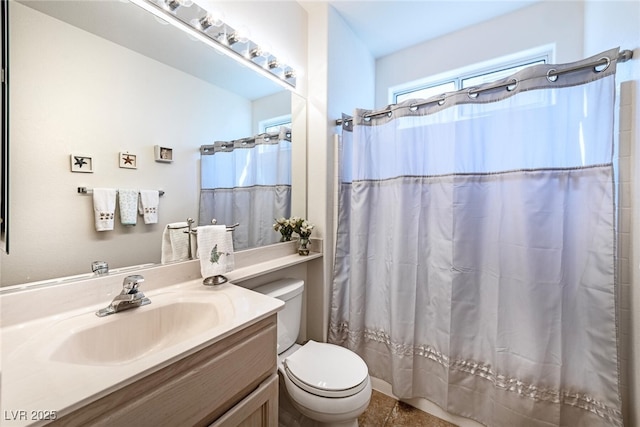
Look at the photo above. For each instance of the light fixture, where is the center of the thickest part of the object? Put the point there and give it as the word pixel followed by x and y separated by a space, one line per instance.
pixel 240 35
pixel 235 42
pixel 172 5
pixel 209 20
pixel 273 64
pixel 256 52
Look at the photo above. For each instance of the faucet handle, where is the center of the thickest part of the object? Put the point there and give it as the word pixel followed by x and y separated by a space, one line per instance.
pixel 99 267
pixel 130 284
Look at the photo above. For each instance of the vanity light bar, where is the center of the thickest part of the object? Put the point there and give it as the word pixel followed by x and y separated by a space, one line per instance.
pixel 211 30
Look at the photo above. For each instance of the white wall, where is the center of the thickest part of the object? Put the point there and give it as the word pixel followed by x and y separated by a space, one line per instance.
pixel 340 77
pixel 537 25
pixel 269 107
pixel 74 93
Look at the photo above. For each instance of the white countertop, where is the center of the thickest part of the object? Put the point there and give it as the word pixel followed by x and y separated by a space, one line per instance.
pixel 35 384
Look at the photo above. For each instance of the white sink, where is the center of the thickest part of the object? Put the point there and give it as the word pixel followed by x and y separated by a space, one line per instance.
pixel 128 335
pixel 65 361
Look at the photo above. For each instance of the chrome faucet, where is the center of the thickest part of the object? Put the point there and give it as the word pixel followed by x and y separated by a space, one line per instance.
pixel 130 297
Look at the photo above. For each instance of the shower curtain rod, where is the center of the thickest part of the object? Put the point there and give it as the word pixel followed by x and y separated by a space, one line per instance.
pixel 623 56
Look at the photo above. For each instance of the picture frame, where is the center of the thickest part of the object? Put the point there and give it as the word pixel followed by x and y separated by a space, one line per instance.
pixel 81 163
pixel 163 154
pixel 128 160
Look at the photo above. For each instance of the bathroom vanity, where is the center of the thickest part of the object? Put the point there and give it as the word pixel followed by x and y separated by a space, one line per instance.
pixel 196 355
pixel 230 383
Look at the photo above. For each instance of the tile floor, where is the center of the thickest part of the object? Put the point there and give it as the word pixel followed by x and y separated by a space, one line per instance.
pixel 385 411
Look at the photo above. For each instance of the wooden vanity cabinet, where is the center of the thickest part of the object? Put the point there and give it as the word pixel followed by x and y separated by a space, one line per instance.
pixel 233 382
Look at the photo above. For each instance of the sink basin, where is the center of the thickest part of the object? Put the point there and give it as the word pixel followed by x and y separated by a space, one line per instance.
pixel 128 335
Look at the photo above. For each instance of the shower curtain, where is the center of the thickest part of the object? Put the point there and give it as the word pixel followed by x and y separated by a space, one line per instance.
pixel 247 181
pixel 475 251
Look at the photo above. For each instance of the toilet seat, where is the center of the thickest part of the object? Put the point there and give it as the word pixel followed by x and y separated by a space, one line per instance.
pixel 327 370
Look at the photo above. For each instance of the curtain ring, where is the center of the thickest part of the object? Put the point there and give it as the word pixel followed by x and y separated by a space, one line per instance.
pixel 605 66
pixel 551 78
pixel 472 95
pixel 390 113
pixel 413 107
pixel 442 100
pixel 513 86
pixel 367 118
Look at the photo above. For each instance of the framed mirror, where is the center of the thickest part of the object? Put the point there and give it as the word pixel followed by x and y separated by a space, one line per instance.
pixel 4 120
pixel 96 79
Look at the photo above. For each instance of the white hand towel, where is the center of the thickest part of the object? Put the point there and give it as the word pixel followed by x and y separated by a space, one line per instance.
pixel 175 242
pixel 215 249
pixel 104 208
pixel 148 206
pixel 128 201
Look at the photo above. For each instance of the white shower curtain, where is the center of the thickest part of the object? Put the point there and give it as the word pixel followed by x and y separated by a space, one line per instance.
pixel 247 181
pixel 475 250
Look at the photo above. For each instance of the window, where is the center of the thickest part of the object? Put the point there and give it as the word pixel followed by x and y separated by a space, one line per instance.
pixel 470 76
pixel 273 124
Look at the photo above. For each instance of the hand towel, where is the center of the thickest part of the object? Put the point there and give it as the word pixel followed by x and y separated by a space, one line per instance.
pixel 148 206
pixel 128 201
pixel 104 208
pixel 215 249
pixel 175 242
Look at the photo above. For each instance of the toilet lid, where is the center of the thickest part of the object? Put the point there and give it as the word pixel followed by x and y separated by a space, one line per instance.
pixel 327 370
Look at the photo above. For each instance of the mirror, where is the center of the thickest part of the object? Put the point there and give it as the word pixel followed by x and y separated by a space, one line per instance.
pixel 100 78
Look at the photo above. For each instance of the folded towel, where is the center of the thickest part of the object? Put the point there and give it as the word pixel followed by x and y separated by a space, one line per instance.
pixel 148 206
pixel 215 250
pixel 128 201
pixel 175 242
pixel 104 208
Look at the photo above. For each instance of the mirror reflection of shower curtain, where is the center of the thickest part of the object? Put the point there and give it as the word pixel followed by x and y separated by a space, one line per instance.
pixel 475 253
pixel 247 181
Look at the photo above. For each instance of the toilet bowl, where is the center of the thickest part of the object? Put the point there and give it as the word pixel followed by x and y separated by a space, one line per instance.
pixel 324 382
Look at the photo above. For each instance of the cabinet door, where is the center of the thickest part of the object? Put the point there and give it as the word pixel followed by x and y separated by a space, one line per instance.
pixel 259 409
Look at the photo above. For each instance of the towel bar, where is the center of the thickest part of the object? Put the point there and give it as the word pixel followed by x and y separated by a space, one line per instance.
pixel 229 228
pixel 85 190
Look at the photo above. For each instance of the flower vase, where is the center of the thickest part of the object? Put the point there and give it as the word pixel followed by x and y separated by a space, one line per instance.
pixel 285 237
pixel 303 246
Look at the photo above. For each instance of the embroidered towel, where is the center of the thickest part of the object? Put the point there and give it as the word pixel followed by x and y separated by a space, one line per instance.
pixel 128 201
pixel 148 206
pixel 104 208
pixel 175 242
pixel 215 250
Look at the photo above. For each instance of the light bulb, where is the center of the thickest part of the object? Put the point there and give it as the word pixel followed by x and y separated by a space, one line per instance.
pixel 241 35
pixel 274 63
pixel 210 20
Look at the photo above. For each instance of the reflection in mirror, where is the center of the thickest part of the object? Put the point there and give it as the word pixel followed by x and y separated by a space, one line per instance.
pixel 94 89
pixel 247 181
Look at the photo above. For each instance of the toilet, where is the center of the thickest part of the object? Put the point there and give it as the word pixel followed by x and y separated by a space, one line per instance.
pixel 324 382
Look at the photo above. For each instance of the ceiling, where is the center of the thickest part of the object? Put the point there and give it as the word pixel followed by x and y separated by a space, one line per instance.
pixel 388 26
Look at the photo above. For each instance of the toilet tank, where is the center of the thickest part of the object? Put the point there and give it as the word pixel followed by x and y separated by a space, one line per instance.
pixel 289 291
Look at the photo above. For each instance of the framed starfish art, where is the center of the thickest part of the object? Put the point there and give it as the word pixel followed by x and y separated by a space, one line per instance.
pixel 81 163
pixel 128 161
